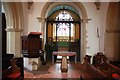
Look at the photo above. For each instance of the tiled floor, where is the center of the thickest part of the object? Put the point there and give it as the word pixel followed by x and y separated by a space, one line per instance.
pixel 54 71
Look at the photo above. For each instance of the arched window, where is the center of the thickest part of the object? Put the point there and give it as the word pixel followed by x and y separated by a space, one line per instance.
pixel 64 29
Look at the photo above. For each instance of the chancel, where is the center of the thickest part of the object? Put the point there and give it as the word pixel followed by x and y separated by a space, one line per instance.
pixel 61 40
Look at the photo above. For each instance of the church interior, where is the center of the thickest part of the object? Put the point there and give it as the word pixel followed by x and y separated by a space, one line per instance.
pixel 61 40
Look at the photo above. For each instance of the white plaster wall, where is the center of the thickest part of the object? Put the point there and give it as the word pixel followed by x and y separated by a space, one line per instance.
pixel 92 39
pixel 25 21
pixel 30 17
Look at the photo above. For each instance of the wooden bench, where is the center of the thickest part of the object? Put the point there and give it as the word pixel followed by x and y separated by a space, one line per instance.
pixel 89 72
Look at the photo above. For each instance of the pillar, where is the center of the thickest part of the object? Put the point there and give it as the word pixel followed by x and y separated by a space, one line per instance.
pixel 14 41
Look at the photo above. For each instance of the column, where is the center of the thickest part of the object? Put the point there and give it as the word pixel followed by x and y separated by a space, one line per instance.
pixel 83 38
pixel 14 41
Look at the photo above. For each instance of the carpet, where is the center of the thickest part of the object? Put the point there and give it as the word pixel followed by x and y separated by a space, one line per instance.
pixel 41 70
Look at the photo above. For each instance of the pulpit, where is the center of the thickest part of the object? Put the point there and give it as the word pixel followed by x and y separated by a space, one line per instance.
pixel 32 49
pixel 31 45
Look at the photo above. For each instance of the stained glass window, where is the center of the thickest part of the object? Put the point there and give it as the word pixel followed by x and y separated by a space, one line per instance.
pixel 64 16
pixel 63 29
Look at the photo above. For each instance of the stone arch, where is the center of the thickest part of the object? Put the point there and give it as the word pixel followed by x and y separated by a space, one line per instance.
pixel 83 15
pixel 14 15
pixel 14 26
pixel 9 15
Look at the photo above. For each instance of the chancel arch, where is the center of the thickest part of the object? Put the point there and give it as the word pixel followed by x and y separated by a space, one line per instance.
pixel 81 12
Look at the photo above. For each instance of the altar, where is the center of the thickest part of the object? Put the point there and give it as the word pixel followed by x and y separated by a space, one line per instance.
pixel 65 53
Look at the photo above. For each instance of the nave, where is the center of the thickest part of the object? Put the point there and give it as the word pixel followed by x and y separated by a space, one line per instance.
pixel 96 30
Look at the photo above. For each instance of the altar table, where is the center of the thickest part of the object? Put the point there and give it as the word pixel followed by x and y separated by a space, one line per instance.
pixel 65 53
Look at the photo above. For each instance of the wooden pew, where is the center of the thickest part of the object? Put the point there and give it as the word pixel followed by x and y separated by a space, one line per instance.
pixel 104 67
pixel 108 70
pixel 89 72
pixel 15 70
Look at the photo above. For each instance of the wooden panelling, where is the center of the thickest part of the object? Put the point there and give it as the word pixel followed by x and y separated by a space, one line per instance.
pixel 31 45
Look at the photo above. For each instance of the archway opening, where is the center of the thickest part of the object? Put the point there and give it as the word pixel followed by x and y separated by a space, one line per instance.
pixel 63 31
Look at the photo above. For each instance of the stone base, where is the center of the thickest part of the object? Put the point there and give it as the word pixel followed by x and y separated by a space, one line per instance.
pixel 32 63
